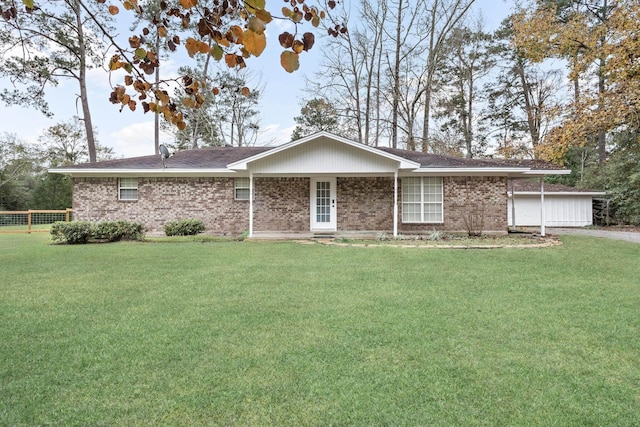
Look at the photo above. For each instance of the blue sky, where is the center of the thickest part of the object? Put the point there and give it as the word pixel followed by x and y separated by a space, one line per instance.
pixel 131 133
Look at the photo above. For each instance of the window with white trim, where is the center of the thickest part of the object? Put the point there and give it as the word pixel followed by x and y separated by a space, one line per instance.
pixel 242 189
pixel 422 199
pixel 128 188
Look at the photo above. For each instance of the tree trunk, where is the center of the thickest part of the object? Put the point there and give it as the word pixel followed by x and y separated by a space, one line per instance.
pixel 396 80
pixel 426 121
pixel 82 80
pixel 534 130
pixel 156 123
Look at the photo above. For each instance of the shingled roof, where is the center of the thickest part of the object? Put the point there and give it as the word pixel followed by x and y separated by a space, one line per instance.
pixel 219 157
pixel 202 158
pixel 428 160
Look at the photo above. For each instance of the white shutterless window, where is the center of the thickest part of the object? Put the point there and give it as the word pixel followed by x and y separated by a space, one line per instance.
pixel 422 199
pixel 242 190
pixel 127 188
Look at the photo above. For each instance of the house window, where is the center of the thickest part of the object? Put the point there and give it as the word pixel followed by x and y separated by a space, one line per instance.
pixel 242 189
pixel 422 199
pixel 128 189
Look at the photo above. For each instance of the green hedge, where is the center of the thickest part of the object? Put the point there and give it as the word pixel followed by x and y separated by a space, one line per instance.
pixel 75 232
pixel 113 231
pixel 184 227
pixel 78 232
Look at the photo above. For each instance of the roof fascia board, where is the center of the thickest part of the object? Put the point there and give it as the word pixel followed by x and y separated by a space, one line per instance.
pixel 465 171
pixel 559 193
pixel 244 164
pixel 539 172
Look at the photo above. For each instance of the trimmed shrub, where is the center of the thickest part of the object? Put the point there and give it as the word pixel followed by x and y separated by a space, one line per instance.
pixel 74 232
pixel 114 231
pixel 184 227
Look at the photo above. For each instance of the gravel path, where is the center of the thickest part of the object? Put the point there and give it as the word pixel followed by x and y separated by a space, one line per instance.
pixel 629 236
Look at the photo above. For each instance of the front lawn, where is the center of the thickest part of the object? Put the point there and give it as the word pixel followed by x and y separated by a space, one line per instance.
pixel 280 333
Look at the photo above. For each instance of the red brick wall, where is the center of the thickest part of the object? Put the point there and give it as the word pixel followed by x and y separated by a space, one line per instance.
pixel 467 198
pixel 365 204
pixel 164 199
pixel 281 204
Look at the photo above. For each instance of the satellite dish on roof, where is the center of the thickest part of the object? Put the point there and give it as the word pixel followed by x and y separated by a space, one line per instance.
pixel 164 153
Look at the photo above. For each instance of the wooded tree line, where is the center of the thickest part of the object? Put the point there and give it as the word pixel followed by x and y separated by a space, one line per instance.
pixel 24 180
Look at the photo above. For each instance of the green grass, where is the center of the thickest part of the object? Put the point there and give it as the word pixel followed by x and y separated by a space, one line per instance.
pixel 279 333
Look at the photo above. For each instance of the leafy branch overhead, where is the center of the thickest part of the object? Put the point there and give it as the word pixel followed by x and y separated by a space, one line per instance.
pixel 227 30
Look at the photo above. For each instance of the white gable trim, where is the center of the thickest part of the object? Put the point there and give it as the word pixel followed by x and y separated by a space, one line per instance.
pixel 402 162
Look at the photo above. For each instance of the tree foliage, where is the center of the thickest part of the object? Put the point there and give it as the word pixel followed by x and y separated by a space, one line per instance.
pixel 235 109
pixel 19 165
pixel 523 99
pixel 469 61
pixel 230 32
pixel 599 41
pixel 316 115
pixel 44 43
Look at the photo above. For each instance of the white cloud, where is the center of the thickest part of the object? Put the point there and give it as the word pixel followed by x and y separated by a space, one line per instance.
pixel 274 134
pixel 135 139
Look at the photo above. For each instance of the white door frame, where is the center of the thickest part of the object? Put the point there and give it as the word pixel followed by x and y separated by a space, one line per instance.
pixel 329 223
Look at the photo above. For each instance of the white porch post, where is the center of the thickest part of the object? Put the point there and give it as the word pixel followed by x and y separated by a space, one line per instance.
pixel 513 203
pixel 250 204
pixel 395 204
pixel 542 219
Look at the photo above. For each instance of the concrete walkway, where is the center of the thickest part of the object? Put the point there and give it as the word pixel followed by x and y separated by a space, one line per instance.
pixel 629 236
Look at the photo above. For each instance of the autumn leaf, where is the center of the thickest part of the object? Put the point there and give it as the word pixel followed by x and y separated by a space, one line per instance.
pixel 28 3
pixel 231 60
pixel 308 39
pixel 254 43
pixel 286 40
pixel 289 61
pixel 256 25
pixel 245 91
pixel 188 4
pixel 254 5
pixel 134 42
pixel 217 52
pixel 264 16
pixel 203 47
pixel 130 4
pixel 113 10
pixel 236 34
pixel 192 46
pixel 140 53
pixel 298 46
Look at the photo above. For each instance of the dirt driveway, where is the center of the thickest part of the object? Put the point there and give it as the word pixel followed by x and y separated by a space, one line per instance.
pixel 629 236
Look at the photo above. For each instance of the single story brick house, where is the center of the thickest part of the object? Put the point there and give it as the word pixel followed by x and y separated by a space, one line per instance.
pixel 321 184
